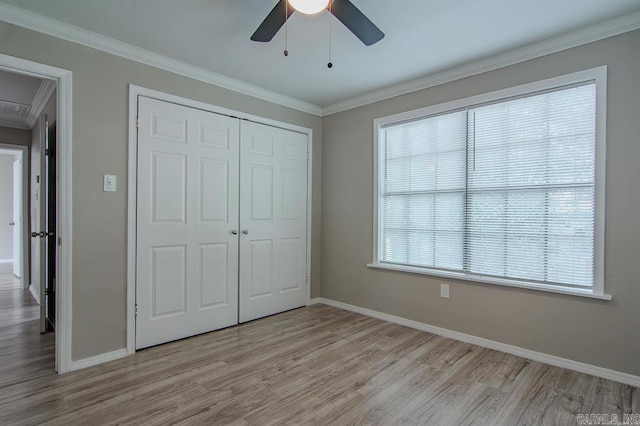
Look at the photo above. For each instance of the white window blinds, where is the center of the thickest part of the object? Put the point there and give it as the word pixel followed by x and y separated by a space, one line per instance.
pixel 504 189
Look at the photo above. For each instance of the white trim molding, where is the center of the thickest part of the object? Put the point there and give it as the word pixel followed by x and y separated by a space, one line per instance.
pixel 132 201
pixel 40 101
pixel 313 301
pixel 569 291
pixel 556 361
pixel 45 25
pixel 35 293
pixel 15 122
pixel 566 41
pixel 98 359
pixel 63 78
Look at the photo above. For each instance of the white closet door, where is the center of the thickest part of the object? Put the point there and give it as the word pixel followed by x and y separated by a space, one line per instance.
pixel 187 252
pixel 273 220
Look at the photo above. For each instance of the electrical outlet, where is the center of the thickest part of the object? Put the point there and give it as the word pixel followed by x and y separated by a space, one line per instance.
pixel 444 290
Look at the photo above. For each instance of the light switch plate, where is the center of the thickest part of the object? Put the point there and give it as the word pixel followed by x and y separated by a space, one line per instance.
pixel 110 183
pixel 444 290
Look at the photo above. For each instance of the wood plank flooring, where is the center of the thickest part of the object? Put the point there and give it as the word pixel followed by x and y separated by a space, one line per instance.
pixel 316 365
pixel 8 281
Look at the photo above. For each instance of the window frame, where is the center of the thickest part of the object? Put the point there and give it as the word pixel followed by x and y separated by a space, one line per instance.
pixel 597 75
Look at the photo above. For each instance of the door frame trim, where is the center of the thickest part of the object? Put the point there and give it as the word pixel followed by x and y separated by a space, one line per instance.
pixel 64 220
pixel 25 277
pixel 132 188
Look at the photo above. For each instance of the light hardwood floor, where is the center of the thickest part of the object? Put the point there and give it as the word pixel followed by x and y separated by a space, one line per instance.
pixel 315 365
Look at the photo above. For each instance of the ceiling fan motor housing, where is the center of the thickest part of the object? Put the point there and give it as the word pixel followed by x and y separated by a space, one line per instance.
pixel 345 11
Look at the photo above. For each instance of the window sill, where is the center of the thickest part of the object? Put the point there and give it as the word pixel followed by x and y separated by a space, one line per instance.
pixel 492 280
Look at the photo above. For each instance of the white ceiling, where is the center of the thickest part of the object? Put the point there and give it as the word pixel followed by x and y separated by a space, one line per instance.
pixel 18 88
pixel 422 37
pixel 18 94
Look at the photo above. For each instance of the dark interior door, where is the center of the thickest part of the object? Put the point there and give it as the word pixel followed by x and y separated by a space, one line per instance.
pixel 50 291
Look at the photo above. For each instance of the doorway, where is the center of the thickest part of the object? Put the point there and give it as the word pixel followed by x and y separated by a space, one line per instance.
pixel 28 194
pixel 58 306
pixel 19 309
pixel 14 261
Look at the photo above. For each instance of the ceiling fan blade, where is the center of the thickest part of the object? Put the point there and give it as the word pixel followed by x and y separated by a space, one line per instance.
pixel 356 21
pixel 273 22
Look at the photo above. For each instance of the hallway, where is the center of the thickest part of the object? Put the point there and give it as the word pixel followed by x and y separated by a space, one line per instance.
pixel 25 353
pixel 7 279
pixel 17 306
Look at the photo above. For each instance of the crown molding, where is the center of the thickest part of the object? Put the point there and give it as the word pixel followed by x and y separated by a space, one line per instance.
pixel 33 21
pixel 566 41
pixel 40 101
pixel 14 123
pixel 35 108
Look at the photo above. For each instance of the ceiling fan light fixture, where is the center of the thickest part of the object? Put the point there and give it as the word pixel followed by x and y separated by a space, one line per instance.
pixel 309 7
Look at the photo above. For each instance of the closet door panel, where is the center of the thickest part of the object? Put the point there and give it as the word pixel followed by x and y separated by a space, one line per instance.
pixel 187 254
pixel 273 220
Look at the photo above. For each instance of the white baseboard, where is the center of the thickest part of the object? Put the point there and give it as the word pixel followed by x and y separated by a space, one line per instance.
pixel 98 359
pixel 35 292
pixel 313 301
pixel 556 361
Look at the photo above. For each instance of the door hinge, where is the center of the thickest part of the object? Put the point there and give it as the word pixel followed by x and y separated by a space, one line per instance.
pixel 46 152
pixel 137 122
pixel 136 309
pixel 60 241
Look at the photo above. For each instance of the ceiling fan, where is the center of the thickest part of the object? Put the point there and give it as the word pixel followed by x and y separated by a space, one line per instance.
pixel 344 10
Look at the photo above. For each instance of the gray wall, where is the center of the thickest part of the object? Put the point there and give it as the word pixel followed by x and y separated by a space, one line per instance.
pixel 591 331
pixel 100 100
pixel 13 136
pixel 6 206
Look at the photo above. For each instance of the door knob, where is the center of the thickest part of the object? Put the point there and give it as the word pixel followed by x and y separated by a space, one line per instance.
pixel 12 223
pixel 234 232
pixel 42 234
pixel 245 232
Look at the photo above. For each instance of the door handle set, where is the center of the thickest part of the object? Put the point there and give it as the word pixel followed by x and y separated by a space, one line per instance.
pixel 41 234
pixel 235 231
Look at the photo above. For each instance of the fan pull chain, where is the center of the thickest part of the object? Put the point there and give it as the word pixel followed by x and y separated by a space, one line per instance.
pixel 286 29
pixel 330 64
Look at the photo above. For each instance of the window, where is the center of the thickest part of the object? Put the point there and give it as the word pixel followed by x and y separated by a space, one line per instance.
pixel 506 187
